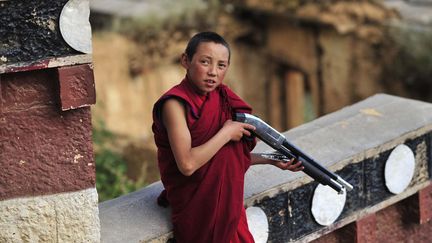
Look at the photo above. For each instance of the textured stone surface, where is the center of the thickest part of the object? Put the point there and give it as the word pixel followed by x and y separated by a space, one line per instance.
pixel 425 205
pixel 396 223
pixel 77 87
pixel 43 150
pixel 65 217
pixel 366 229
pixel 134 217
pixel 33 31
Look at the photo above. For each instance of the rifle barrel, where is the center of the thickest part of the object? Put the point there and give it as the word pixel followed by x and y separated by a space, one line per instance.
pixel 278 141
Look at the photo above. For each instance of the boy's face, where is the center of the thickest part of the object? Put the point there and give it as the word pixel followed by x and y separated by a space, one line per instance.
pixel 208 66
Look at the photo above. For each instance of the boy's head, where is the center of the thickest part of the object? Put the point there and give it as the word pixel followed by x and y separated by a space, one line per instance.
pixel 206 61
pixel 205 37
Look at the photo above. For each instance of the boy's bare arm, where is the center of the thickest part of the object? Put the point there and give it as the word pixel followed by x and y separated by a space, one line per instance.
pixel 190 159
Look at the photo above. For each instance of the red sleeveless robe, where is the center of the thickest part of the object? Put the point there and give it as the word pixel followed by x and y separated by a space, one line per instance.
pixel 208 205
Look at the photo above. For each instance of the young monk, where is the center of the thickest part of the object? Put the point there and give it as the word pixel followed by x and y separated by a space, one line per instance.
pixel 202 154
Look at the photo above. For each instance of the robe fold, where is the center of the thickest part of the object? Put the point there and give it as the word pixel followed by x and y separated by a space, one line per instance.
pixel 208 205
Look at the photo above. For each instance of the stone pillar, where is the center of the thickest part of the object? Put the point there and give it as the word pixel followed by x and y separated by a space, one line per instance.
pixel 47 187
pixel 294 98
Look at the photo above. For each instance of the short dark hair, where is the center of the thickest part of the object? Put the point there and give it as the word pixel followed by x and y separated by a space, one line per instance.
pixel 206 36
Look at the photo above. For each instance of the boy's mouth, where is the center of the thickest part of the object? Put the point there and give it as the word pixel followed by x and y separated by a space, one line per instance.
pixel 210 81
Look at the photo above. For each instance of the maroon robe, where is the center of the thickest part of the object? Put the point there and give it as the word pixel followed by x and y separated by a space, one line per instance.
pixel 208 205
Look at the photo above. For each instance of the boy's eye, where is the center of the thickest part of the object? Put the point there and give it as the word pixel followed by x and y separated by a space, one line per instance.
pixel 205 62
pixel 222 66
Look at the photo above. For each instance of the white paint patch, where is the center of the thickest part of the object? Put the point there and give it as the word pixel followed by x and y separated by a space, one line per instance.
pixel 258 224
pixel 327 204
pixel 399 169
pixel 77 157
pixel 75 26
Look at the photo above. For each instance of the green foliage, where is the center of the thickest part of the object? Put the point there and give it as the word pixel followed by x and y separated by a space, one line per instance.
pixel 111 178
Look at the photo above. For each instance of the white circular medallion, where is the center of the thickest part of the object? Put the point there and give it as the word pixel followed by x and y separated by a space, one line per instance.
pixel 327 204
pixel 399 169
pixel 75 26
pixel 258 224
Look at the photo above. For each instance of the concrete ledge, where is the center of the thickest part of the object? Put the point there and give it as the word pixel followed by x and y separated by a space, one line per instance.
pixel 134 217
pixel 347 136
pixel 46 63
pixel 360 134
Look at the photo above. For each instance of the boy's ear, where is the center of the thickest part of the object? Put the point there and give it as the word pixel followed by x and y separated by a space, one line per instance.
pixel 184 61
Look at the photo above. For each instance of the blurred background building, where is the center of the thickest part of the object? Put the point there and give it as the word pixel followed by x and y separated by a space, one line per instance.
pixel 293 61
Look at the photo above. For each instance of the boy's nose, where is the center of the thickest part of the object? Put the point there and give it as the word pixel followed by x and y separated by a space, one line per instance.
pixel 212 71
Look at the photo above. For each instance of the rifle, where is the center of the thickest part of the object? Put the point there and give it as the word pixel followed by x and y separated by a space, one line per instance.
pixel 287 151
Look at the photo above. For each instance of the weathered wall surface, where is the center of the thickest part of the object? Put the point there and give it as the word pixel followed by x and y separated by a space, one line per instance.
pixel 396 223
pixel 355 142
pixel 29 24
pixel 40 139
pixel 47 187
pixel 60 217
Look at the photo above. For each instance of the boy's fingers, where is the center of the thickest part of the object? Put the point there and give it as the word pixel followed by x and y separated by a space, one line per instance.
pixel 291 162
pixel 298 169
pixel 249 127
pixel 298 163
pixel 281 165
pixel 294 165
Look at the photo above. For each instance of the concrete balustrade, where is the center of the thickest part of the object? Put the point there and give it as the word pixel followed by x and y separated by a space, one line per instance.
pixel 355 142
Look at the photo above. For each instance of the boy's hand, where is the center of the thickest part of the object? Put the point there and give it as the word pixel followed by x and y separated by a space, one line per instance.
pixel 292 165
pixel 236 130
